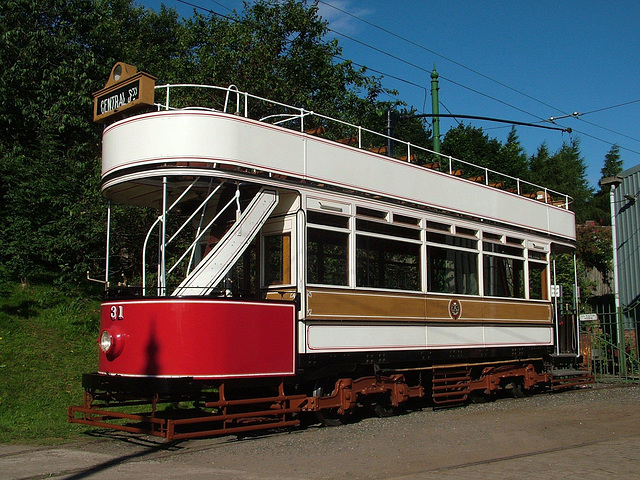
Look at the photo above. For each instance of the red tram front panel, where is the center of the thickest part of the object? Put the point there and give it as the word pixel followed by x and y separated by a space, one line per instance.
pixel 197 338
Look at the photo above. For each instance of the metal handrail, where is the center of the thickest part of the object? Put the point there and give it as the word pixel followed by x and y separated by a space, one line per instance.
pixel 159 221
pixel 297 113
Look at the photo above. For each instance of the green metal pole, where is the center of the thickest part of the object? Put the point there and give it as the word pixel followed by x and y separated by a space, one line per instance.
pixel 435 109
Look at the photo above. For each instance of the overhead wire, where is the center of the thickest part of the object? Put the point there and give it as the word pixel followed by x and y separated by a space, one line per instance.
pixel 400 37
pixel 419 67
pixel 481 75
pixel 445 78
pixel 610 107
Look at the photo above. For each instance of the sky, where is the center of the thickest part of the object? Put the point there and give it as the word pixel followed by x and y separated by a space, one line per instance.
pixel 524 61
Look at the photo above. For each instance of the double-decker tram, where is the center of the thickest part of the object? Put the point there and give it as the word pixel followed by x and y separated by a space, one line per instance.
pixel 296 266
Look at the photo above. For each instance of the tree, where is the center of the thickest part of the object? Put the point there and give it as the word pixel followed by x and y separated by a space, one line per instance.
pixel 612 163
pixel 472 145
pixel 512 159
pixel 594 247
pixel 47 200
pixel 600 203
pixel 539 162
pixel 564 172
pixel 55 53
pixel 277 49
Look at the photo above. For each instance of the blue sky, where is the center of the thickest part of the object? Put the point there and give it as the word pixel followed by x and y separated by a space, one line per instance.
pixel 517 60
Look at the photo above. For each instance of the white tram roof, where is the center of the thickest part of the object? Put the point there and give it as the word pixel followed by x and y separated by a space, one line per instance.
pixel 277 150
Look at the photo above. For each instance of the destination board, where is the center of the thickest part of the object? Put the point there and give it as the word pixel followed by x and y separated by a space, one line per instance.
pixel 127 89
pixel 112 101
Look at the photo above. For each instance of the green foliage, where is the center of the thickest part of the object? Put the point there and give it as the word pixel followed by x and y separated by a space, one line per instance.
pixel 600 203
pixel 472 145
pixel 276 49
pixel 612 163
pixel 566 278
pixel 565 172
pixel 44 128
pixel 594 247
pixel 512 158
pixel 56 53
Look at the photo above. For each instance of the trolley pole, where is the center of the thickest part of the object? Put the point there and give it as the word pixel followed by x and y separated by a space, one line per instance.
pixel 435 109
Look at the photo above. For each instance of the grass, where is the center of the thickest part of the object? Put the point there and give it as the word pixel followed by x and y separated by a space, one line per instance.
pixel 47 340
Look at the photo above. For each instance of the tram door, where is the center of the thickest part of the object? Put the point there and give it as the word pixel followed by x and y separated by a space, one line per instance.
pixel 566 324
pixel 564 293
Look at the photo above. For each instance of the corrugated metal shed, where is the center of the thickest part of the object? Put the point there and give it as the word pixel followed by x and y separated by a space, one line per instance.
pixel 627 218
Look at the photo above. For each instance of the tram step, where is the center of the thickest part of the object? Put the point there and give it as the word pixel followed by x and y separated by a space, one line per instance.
pixel 567 372
pixel 450 386
pixel 570 378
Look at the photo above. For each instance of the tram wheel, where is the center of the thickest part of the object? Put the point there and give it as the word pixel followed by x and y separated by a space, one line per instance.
pixel 384 408
pixel 478 396
pixel 329 417
pixel 518 390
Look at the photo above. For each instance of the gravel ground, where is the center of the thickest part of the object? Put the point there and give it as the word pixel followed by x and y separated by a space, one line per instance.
pixel 574 430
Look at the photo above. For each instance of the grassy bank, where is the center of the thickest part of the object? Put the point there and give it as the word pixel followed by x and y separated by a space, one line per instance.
pixel 47 340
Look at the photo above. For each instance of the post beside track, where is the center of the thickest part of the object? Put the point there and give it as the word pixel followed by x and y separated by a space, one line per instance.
pixel 216 412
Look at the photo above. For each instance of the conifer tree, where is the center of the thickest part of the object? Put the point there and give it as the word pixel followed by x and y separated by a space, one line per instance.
pixel 600 203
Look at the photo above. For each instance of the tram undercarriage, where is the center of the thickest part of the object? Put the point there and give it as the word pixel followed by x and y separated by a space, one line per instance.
pixel 176 409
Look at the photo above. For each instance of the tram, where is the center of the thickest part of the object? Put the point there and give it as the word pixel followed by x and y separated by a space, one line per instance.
pixel 297 266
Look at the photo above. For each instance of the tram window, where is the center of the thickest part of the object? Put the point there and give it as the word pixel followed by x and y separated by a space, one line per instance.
pixel 452 271
pixel 383 263
pixel 537 256
pixel 328 219
pixel 387 229
pixel 504 249
pixel 466 231
pixel 438 226
pixel 538 281
pixel 370 212
pixel 452 240
pixel 492 236
pixel 503 277
pixel 514 241
pixel 327 257
pixel 277 259
pixel 404 219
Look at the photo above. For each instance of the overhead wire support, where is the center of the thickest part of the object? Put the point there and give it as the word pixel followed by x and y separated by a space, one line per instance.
pixel 489 119
pixel 570 115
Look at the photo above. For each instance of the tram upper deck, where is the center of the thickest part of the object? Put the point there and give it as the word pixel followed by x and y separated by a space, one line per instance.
pixel 239 136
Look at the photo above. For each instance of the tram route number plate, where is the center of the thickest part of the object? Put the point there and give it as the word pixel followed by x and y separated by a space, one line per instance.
pixel 556 291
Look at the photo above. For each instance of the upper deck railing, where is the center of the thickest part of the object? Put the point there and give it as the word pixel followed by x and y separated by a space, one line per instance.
pixel 231 100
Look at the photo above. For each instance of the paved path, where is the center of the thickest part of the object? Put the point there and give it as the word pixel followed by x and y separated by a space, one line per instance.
pixel 592 434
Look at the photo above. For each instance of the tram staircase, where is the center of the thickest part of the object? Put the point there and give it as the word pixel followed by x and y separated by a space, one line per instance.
pixel 214 266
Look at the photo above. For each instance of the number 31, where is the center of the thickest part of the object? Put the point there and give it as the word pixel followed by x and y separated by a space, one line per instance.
pixel 117 312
